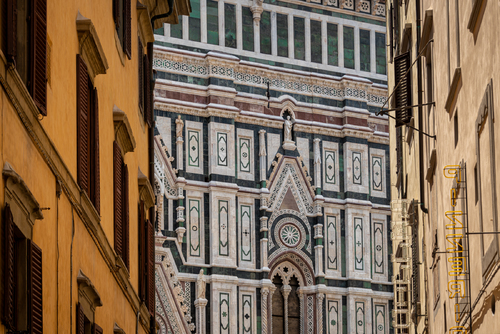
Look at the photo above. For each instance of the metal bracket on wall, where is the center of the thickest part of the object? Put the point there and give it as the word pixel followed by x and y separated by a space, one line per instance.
pixel 385 112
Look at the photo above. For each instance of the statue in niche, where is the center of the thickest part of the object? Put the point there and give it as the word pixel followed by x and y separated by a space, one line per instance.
pixel 179 125
pixel 201 283
pixel 288 129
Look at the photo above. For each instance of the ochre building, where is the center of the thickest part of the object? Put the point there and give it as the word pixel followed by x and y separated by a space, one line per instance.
pixel 75 150
pixel 272 169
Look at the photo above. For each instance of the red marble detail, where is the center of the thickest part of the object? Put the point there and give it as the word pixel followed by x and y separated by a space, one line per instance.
pixel 356 121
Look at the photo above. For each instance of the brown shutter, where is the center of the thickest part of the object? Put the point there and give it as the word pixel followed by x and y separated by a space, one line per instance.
pixel 118 201
pixel 125 231
pixel 96 329
pixel 82 110
pixel 141 75
pixel 116 12
pixel 128 28
pixel 95 147
pixel 39 54
pixel 143 233
pixel 80 320
pixel 8 269
pixel 11 29
pixel 147 91
pixel 36 289
pixel 151 268
pixel 402 96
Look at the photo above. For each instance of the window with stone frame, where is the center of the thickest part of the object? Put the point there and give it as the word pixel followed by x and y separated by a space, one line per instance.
pixel 121 205
pixel 25 45
pixel 122 15
pixel 21 267
pixel 88 300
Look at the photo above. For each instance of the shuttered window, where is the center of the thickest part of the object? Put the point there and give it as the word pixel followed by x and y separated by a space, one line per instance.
pixel 147 260
pixel 122 15
pixel 22 271
pixel 141 75
pixel 148 103
pixel 121 205
pixel 402 96
pixel 88 164
pixel 25 46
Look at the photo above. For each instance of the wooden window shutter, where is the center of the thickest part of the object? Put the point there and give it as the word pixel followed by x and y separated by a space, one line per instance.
pixel 116 12
pixel 39 55
pixel 143 233
pixel 128 28
pixel 402 77
pixel 125 215
pixel 151 268
pixel 96 198
pixel 118 201
pixel 35 282
pixel 96 329
pixel 8 269
pixel 140 56
pixel 147 92
pixel 80 320
pixel 82 110
pixel 10 29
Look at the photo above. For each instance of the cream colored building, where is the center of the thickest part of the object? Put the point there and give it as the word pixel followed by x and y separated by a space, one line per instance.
pixel 452 61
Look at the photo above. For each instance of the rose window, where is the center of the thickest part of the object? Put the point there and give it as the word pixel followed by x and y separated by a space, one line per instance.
pixel 290 235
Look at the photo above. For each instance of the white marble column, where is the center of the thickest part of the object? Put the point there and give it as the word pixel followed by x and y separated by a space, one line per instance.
pixel 264 294
pixel 201 319
pixel 239 27
pixel 166 31
pixel 357 58
pixel 185 27
pixel 373 55
pixel 302 314
pixel 318 250
pixel 274 34
pixel 317 163
pixel 319 311
pixel 180 216
pixel 291 46
pixel 285 290
pixel 203 20
pixel 340 39
pixel 262 154
pixel 264 243
pixel 307 32
pixel 256 11
pixel 270 309
pixel 324 43
pixel 222 32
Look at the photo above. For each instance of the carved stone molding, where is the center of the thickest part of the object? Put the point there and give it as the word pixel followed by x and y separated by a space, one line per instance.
pixel 146 193
pixel 90 47
pixel 123 131
pixel 87 290
pixel 144 24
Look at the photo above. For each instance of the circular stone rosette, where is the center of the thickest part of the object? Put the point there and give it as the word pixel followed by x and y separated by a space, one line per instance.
pixel 290 235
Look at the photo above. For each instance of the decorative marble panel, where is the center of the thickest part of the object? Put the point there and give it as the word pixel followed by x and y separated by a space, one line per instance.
pixel 222 149
pixel 358 243
pixel 333 315
pixel 378 245
pixel 360 317
pixel 245 153
pixel 246 233
pixel 380 316
pixel 364 6
pixel 195 227
pixel 247 313
pixel 223 228
pixel 377 173
pixel 332 233
pixel 193 143
pixel 334 3
pixel 331 166
pixel 357 167
pixel 310 314
pixel 348 4
pixel 224 312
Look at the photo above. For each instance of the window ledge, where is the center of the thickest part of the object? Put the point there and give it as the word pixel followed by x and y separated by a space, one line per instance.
pixel 117 329
pixel 474 15
pixel 88 289
pixel 144 23
pixel 90 46
pixel 123 131
pixel 119 48
pixel 456 84
pixel 19 191
pixel 426 31
pixel 146 193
